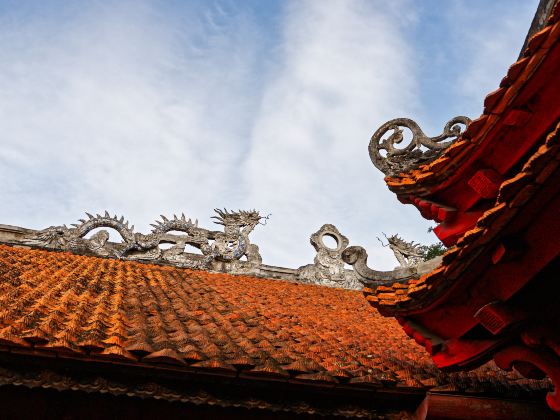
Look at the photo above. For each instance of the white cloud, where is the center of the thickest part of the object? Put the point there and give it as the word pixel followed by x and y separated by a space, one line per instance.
pixel 491 48
pixel 117 109
pixel 344 69
pixel 143 109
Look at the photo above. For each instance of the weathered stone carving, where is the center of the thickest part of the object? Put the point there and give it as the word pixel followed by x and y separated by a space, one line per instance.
pixel 407 253
pixel 328 268
pixel 72 239
pixel 357 256
pixel 421 149
pixel 233 243
pixel 223 250
pixel 230 245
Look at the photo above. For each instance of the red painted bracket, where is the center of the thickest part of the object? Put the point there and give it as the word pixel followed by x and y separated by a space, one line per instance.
pixel 433 211
pixel 497 316
pixel 543 360
pixel 450 232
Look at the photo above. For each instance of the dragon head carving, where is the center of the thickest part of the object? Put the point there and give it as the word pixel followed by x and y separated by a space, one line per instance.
pixel 235 222
pixel 407 253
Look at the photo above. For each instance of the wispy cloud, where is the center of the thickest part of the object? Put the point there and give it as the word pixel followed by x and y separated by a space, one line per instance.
pixel 123 108
pixel 343 70
pixel 487 51
pixel 146 107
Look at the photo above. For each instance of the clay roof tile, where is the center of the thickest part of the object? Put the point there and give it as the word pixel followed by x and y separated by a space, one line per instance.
pixel 117 353
pixel 35 335
pixel 215 366
pixel 165 356
pixel 9 339
pixel 91 345
pixel 276 334
pixel 60 346
pixel 139 349
pixel 242 362
pixel 537 40
pixel 366 380
pixel 268 369
pixel 320 377
pixel 193 356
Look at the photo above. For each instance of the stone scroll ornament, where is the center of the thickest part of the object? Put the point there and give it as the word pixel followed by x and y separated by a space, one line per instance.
pixel 420 150
pixel 177 232
pixel 408 254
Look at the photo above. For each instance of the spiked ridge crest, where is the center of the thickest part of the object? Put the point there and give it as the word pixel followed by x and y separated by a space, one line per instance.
pixel 93 222
pixel 181 224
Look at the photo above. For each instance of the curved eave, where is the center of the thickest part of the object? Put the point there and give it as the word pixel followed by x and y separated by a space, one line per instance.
pixel 520 211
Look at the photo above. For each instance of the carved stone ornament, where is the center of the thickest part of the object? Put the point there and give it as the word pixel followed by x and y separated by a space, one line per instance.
pixel 420 150
pixel 328 267
pixel 407 253
pixel 228 246
pixel 228 251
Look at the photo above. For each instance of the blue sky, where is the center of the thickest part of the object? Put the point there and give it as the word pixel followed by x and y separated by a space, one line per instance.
pixel 159 107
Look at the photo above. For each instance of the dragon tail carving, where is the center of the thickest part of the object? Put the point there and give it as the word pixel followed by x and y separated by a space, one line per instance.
pixel 108 221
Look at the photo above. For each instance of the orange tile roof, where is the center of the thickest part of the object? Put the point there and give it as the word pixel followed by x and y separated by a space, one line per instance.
pixel 91 309
pixel 513 194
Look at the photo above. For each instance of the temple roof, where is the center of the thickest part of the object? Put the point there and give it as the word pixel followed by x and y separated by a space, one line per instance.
pixel 486 178
pixel 98 320
pixel 495 196
pixel 161 318
pixel 517 197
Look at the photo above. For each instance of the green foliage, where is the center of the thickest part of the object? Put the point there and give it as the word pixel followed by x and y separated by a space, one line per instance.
pixel 432 251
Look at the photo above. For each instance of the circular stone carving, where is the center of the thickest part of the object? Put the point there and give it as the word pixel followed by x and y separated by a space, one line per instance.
pixel 336 240
pixel 329 230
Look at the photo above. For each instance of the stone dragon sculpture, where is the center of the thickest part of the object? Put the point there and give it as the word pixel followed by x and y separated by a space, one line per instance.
pixel 73 239
pixel 233 243
pixel 328 267
pixel 407 253
pixel 230 245
pixel 357 256
pixel 149 243
pixel 224 250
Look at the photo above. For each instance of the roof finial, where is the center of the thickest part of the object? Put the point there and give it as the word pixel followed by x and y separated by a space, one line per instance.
pixel 396 160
